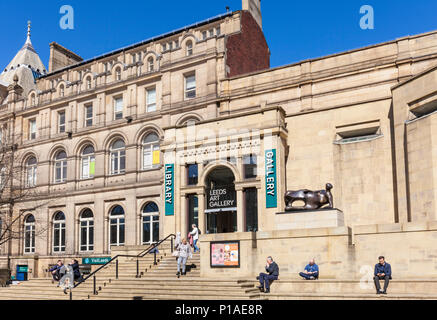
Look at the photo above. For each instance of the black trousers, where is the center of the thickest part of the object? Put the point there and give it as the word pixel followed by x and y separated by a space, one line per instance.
pixel 386 281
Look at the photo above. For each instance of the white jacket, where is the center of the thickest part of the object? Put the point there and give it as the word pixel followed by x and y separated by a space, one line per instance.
pixel 195 234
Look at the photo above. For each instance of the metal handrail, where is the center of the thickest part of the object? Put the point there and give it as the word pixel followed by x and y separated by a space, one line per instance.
pixel 140 255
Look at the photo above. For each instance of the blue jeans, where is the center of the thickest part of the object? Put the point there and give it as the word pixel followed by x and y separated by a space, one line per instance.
pixel 264 280
pixel 308 276
pixel 183 261
pixel 196 248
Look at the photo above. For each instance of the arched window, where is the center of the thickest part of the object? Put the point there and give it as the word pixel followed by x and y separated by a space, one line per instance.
pixel 88 163
pixel 61 90
pixel 29 234
pixel 59 232
pixel 88 83
pixel 117 226
pixel 189 48
pixel 151 64
pixel 150 217
pixel 32 99
pixel 118 157
pixel 151 151
pixel 87 230
pixel 61 167
pixel 31 169
pixel 118 74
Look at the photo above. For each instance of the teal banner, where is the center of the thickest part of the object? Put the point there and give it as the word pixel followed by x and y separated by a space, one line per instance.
pixel 169 189
pixel 271 185
pixel 96 261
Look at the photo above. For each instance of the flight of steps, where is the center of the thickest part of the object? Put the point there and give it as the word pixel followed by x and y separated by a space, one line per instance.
pixel 331 289
pixel 159 282
pixel 155 282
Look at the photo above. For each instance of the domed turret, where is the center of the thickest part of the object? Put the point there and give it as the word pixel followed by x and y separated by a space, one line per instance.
pixel 26 64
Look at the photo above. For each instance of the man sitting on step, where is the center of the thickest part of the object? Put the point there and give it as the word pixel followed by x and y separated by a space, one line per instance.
pixel 382 272
pixel 266 279
pixel 311 271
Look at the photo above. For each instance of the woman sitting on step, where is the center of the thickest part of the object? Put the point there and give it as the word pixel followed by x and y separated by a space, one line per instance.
pixel 184 250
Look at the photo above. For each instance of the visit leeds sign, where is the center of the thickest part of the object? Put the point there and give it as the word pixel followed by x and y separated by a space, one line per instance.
pixel 96 261
pixel 169 189
pixel 271 185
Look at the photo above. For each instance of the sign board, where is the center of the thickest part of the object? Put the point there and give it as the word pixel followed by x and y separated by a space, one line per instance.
pixel 225 254
pixel 169 189
pixel 221 199
pixel 271 181
pixel 24 269
pixel 96 261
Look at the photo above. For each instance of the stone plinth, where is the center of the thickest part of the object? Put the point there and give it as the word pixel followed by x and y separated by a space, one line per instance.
pixel 309 219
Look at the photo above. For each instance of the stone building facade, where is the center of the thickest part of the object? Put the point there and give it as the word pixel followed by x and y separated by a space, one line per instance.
pixel 194 127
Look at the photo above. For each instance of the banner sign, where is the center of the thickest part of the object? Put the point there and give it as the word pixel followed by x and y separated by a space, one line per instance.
pixel 271 185
pixel 169 189
pixel 221 198
pixel 96 261
pixel 225 254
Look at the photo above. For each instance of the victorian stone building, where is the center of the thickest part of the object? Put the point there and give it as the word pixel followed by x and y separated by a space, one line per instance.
pixel 194 127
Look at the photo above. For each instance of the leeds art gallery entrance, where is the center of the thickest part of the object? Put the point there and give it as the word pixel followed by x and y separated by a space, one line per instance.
pixel 221 201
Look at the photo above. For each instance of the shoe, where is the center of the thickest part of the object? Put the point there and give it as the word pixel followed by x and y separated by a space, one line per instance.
pixel 178 274
pixel 261 289
pixel 378 292
pixel 65 291
pixel 312 278
pixel 184 273
pixel 384 292
pixel 257 278
pixel 267 291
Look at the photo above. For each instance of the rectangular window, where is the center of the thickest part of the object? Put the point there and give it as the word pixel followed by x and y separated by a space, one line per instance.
pixel 89 116
pixel 218 31
pixel 251 208
pixel 204 35
pixel 250 166
pixel 118 108
pixel 151 100
pixel 193 174
pixel 61 121
pixel 190 87
pixel 211 32
pixel 32 129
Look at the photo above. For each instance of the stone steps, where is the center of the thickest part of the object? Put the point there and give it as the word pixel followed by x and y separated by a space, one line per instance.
pixel 347 296
pixel 331 286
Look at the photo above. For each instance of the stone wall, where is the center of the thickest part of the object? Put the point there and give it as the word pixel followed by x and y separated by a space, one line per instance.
pixel 339 252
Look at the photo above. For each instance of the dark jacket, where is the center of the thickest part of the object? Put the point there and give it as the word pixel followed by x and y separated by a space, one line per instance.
pixel 385 268
pixel 76 270
pixel 273 269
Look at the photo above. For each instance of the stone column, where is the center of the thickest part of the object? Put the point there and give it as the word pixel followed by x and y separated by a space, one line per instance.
pixel 201 211
pixel 240 210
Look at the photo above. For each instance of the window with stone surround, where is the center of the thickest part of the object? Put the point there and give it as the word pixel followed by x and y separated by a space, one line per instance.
pixel 118 108
pixel 190 86
pixel 151 99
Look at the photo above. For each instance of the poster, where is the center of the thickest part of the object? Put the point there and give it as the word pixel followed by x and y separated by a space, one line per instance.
pixel 225 254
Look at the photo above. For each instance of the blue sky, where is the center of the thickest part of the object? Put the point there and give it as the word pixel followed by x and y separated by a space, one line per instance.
pixel 295 30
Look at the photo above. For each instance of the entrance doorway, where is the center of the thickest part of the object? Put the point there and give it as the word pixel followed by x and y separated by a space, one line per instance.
pixel 221 201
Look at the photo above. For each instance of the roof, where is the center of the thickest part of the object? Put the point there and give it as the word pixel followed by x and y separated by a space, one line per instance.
pixel 157 38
